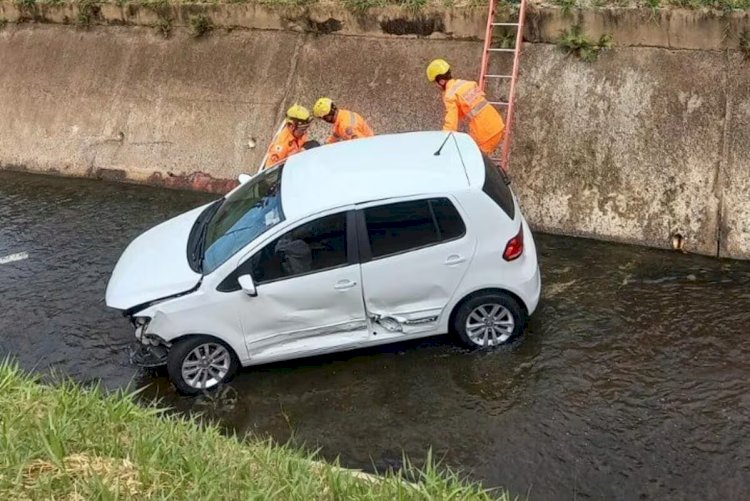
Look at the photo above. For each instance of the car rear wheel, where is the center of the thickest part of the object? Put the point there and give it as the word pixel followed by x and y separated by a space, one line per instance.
pixel 489 320
pixel 200 363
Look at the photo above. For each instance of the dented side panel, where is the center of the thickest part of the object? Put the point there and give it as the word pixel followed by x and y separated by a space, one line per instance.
pixel 408 292
pixel 296 314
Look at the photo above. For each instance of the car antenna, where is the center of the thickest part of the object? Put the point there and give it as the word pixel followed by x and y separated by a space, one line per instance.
pixel 460 156
pixel 437 153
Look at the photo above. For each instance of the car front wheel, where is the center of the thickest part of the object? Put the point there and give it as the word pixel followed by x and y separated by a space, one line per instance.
pixel 200 363
pixel 489 320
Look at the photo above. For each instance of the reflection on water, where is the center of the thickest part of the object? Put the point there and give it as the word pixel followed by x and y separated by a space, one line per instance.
pixel 633 380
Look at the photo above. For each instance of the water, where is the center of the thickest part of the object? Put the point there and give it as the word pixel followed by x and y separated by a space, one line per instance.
pixel 633 381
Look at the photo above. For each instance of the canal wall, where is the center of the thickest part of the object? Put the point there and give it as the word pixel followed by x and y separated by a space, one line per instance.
pixel 650 140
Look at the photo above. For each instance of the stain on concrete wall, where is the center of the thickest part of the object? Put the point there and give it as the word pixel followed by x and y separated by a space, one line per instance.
pixel 734 179
pixel 626 147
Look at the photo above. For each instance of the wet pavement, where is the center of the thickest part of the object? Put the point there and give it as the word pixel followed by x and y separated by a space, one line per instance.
pixel 632 382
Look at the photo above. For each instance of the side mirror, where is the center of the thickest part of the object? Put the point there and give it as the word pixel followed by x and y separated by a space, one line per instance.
pixel 247 284
pixel 243 178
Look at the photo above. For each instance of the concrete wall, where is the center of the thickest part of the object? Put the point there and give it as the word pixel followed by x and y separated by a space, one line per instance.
pixel 650 140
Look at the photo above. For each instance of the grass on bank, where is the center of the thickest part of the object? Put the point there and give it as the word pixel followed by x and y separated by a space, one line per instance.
pixel 566 5
pixel 67 442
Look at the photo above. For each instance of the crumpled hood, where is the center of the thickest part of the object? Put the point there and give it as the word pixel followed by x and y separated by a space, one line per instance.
pixel 154 265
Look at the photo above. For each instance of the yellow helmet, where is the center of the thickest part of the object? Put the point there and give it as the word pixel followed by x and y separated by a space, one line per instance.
pixel 298 114
pixel 436 68
pixel 322 107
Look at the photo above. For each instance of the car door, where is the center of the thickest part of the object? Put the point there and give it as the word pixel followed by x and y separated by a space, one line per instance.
pixel 414 255
pixel 308 291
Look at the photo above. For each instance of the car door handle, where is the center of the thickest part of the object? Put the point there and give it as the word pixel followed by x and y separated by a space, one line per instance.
pixel 454 259
pixel 344 285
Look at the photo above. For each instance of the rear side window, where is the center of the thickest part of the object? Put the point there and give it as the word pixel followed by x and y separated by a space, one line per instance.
pixel 404 226
pixel 449 222
pixel 496 187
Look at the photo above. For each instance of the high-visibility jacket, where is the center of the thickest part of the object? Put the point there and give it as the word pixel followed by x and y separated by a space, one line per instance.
pixel 465 101
pixel 284 145
pixel 348 125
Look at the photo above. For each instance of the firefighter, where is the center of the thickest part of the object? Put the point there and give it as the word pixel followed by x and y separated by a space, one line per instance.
pixel 346 124
pixel 292 138
pixel 465 101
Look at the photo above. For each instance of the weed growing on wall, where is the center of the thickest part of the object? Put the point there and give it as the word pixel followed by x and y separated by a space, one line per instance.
pixel 289 3
pixel 565 5
pixel 27 10
pixel 200 25
pixel 164 27
pixel 575 42
pixel 362 5
pixel 87 11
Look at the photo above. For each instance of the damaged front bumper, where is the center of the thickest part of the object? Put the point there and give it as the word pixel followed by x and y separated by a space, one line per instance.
pixel 148 355
pixel 149 350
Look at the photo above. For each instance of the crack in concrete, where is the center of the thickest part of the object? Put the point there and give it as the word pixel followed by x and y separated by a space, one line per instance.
pixel 293 63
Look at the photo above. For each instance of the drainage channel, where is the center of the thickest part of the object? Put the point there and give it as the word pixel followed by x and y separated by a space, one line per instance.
pixel 633 380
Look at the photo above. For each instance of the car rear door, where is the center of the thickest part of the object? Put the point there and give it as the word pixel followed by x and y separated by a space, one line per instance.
pixel 414 254
pixel 309 291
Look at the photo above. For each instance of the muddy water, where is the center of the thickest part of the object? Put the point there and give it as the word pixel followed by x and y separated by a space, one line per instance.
pixel 633 381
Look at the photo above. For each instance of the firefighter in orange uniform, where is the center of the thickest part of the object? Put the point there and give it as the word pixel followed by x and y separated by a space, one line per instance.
pixel 346 124
pixel 292 138
pixel 465 101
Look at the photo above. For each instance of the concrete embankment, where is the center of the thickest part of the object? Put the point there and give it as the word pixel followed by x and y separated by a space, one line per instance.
pixel 650 140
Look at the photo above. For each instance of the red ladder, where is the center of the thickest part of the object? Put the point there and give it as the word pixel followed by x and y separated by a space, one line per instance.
pixel 483 75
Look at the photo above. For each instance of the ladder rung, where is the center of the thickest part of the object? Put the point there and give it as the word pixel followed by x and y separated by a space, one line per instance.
pixel 498 103
pixel 498 76
pixel 501 50
pixel 504 24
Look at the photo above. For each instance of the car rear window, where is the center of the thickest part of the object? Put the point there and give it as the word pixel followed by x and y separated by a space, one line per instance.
pixel 404 226
pixel 496 187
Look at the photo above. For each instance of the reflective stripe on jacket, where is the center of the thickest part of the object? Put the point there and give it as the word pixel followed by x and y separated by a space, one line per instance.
pixel 465 101
pixel 349 125
pixel 284 145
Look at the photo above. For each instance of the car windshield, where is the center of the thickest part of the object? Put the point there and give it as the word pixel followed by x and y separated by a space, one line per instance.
pixel 245 214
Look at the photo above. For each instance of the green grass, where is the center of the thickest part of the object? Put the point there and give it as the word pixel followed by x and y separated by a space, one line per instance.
pixel 565 5
pixel 574 41
pixel 361 5
pixel 200 25
pixel 65 442
pixel 25 4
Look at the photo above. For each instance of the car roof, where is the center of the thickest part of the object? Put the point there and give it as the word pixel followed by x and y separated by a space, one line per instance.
pixel 377 168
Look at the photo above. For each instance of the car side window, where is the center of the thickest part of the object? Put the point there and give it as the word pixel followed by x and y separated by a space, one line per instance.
pixel 448 219
pixel 314 246
pixel 404 226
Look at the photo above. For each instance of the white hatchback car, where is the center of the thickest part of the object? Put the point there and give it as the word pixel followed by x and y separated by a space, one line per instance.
pixel 354 244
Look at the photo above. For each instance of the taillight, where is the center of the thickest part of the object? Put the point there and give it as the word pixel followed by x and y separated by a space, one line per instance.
pixel 514 247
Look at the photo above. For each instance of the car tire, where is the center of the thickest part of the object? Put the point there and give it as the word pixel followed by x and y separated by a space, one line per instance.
pixel 200 363
pixel 489 320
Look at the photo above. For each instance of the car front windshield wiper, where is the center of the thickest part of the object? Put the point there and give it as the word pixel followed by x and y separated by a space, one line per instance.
pixel 198 250
pixel 200 246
